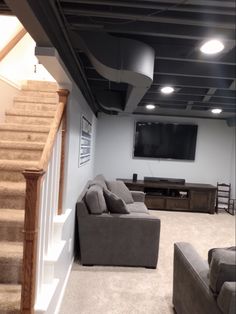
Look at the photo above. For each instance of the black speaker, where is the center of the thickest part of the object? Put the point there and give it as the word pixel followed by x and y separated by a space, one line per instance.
pixel 135 177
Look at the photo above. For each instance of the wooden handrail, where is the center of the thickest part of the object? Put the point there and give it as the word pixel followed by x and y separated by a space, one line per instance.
pixel 47 151
pixel 63 94
pixel 11 44
pixel 33 178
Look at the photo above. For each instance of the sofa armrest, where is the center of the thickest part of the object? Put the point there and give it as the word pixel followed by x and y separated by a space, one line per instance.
pixel 138 196
pixel 227 298
pixel 125 240
pixel 191 292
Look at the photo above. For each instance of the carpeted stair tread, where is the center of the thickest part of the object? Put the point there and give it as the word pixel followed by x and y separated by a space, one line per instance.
pixel 32 93
pixel 24 127
pixel 11 250
pixel 12 188
pixel 22 145
pixel 36 99
pixel 30 113
pixel 12 215
pixel 10 297
pixel 11 224
pixel 40 86
pixel 11 256
pixel 35 106
pixel 28 120
pixel 17 165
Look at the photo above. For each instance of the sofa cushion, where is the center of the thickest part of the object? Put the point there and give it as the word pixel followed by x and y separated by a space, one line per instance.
pixel 95 200
pixel 137 207
pixel 222 268
pixel 210 252
pixel 114 203
pixel 121 190
pixel 227 298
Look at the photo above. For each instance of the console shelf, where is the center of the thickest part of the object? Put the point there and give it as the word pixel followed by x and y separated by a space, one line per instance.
pixel 192 197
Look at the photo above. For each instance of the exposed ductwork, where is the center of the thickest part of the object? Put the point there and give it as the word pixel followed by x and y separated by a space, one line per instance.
pixel 119 60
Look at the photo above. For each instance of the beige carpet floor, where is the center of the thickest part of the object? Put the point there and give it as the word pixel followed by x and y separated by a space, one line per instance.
pixel 122 290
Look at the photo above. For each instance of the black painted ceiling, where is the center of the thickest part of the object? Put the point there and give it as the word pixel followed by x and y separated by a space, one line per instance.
pixel 175 29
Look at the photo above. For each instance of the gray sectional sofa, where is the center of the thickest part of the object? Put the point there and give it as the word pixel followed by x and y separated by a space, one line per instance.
pixel 204 288
pixel 126 238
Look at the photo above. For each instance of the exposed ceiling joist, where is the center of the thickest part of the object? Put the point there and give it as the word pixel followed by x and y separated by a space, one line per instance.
pixel 156 6
pixel 138 28
pixel 175 29
pixel 148 18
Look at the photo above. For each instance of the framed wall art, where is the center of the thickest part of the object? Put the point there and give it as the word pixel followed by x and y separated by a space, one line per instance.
pixel 85 141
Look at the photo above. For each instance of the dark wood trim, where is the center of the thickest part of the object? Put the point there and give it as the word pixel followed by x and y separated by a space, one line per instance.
pixel 31 226
pixel 63 96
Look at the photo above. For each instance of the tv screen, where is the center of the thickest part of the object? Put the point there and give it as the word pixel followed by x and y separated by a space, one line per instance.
pixel 165 140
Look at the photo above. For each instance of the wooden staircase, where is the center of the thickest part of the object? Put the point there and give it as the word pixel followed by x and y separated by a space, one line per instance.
pixel 22 140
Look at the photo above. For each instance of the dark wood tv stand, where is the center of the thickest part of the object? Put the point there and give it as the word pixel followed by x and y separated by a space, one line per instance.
pixel 192 197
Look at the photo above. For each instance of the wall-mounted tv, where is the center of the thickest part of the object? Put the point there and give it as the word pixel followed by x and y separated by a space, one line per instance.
pixel 165 140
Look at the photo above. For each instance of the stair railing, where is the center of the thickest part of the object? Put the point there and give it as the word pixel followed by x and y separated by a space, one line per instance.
pixel 44 190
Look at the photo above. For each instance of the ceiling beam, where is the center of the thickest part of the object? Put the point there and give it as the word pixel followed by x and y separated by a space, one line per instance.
pixel 193 94
pixel 181 71
pixel 147 18
pixel 147 29
pixel 180 82
pixel 182 102
pixel 206 62
pixel 219 3
pixel 170 55
pixel 160 8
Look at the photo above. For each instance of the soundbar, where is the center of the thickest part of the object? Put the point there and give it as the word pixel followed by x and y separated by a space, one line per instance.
pixel 164 180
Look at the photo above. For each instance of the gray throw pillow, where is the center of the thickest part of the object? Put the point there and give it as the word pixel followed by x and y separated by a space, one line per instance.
pixel 121 190
pixel 115 204
pixel 222 268
pixel 95 200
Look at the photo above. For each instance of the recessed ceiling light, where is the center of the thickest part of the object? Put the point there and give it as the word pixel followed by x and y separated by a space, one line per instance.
pixel 167 89
pixel 150 107
pixel 216 110
pixel 212 46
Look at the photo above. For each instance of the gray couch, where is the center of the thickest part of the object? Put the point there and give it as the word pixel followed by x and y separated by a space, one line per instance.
pixel 117 239
pixel 202 289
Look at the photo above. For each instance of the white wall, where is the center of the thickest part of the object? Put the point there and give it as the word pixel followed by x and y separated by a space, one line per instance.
pixel 213 160
pixel 7 92
pixel 19 63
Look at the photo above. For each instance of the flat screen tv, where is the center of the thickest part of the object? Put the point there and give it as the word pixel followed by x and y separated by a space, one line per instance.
pixel 165 140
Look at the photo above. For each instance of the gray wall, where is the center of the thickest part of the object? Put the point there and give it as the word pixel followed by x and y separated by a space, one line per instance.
pixel 213 161
pixel 76 177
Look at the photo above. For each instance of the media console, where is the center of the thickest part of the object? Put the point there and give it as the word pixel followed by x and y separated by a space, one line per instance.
pixel 160 194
